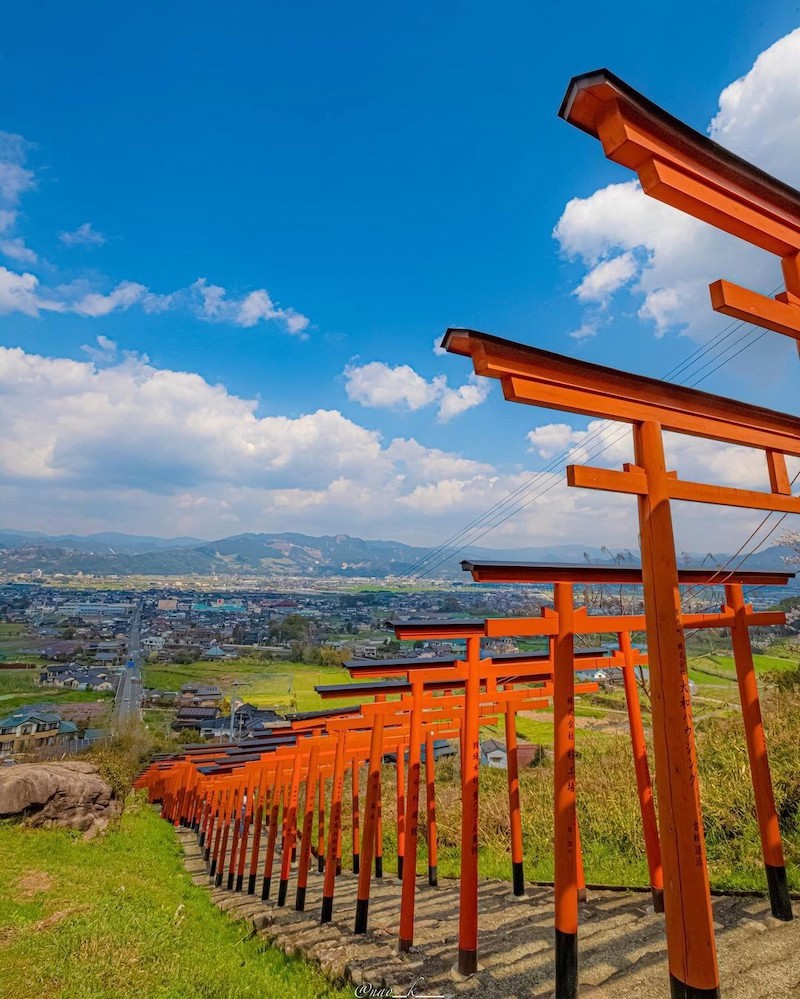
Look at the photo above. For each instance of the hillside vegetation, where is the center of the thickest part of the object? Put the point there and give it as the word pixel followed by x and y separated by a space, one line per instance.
pixel 119 917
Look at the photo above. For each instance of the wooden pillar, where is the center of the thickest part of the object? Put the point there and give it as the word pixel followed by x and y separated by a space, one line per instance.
pixel 406 937
pixel 691 947
pixel 247 819
pixel 290 827
pixel 644 786
pixel 321 824
pixel 401 808
pixel 515 817
pixel 308 827
pixel 370 823
pixel 238 829
pixel 766 812
pixel 430 810
pixel 565 820
pixel 260 804
pixel 272 831
pixel 334 832
pixel 229 819
pixel 354 771
pixel 470 766
pixel 222 814
pixel 379 827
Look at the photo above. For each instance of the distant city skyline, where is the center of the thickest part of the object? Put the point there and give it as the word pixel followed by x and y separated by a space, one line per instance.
pixel 228 252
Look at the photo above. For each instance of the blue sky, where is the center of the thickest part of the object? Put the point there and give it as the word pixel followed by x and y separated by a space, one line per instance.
pixel 268 215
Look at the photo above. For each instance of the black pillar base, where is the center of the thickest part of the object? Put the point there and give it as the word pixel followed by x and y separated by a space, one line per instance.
pixel 201 839
pixel 658 899
pixel 433 876
pixel 581 894
pixel 518 877
pixel 356 863
pixel 679 990
pixel 251 885
pixel 362 911
pixel 218 879
pixel 379 867
pixel 265 889
pixel 283 888
pixel 779 893
pixel 239 881
pixel 206 853
pixel 404 946
pixel 467 962
pixel 321 865
pixel 230 880
pixel 566 965
pixel 400 868
pixel 300 900
pixel 212 867
pixel 326 915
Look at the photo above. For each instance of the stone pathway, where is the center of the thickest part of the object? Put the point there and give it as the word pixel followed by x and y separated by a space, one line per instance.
pixel 621 941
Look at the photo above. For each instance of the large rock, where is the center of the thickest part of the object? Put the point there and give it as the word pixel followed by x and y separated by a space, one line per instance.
pixel 71 795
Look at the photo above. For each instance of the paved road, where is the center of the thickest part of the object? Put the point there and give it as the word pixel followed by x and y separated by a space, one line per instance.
pixel 129 689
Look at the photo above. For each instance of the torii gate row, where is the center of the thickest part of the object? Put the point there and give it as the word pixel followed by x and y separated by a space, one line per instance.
pixel 550 380
pixel 242 786
pixel 735 615
pixel 232 790
pixel 626 658
pixel 691 172
pixel 445 676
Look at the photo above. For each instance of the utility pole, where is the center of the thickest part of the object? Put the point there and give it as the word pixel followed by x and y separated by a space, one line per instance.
pixel 234 685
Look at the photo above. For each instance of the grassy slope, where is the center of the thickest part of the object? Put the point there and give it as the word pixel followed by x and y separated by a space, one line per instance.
pixel 122 919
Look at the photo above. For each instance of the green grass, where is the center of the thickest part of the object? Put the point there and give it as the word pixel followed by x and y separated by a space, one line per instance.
pixel 19 687
pixel 118 917
pixel 266 684
pixel 11 630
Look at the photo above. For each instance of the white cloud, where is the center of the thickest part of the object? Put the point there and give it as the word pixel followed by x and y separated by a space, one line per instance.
pixel 104 353
pixel 84 235
pixel 669 257
pixel 15 178
pixel 381 386
pixel 605 278
pixel 15 249
pixel 123 444
pixel 89 296
pixel 246 311
pixel 586 331
pixel 18 293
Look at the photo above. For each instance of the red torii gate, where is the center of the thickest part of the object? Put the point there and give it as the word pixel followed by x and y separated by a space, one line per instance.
pixel 542 378
pixel 474 671
pixel 683 168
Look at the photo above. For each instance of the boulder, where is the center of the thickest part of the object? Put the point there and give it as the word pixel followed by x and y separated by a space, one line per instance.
pixel 69 795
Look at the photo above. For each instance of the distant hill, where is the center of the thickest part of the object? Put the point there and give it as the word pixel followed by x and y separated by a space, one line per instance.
pixel 282 555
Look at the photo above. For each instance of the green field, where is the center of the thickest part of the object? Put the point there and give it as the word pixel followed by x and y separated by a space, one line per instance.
pixel 282 685
pixel 118 917
pixel 18 687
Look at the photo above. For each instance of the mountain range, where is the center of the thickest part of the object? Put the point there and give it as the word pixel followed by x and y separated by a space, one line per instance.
pixel 287 554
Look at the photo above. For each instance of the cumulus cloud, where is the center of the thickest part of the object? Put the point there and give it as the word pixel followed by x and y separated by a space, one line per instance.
pixel 122 443
pixel 667 259
pixel 382 386
pixel 16 249
pixel 84 235
pixel 248 310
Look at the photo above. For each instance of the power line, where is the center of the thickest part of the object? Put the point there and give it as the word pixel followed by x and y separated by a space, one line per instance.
pixel 498 514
